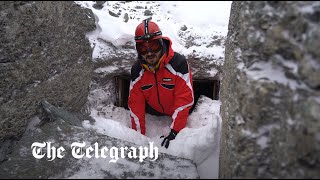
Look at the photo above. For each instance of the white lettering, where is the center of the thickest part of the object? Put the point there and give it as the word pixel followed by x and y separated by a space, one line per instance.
pixel 76 149
pixel 88 151
pixel 132 152
pixel 143 153
pixel 37 150
pixel 122 149
pixel 102 152
pixel 96 150
pixel 114 154
pixel 52 152
pixel 60 151
pixel 151 151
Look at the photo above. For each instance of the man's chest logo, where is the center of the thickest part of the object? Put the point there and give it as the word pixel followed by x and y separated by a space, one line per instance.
pixel 167 79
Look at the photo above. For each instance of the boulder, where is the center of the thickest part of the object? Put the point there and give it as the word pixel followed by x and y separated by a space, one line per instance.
pixel 270 91
pixel 44 54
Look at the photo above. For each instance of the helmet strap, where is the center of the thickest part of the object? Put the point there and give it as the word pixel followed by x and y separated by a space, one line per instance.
pixel 146 30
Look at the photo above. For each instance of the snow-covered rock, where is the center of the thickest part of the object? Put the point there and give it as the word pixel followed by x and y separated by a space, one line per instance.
pixel 43 54
pixel 270 91
pixel 85 163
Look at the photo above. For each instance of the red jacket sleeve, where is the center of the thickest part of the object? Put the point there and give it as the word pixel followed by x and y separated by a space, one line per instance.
pixel 183 98
pixel 136 104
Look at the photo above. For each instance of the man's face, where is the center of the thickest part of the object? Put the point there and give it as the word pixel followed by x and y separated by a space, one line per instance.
pixel 150 51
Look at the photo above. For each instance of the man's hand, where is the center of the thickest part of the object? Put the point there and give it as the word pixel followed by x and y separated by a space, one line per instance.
pixel 167 139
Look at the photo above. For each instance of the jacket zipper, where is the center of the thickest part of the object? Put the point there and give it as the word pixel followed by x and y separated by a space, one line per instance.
pixel 155 76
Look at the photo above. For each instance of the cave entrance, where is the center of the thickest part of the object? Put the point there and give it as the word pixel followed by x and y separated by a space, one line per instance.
pixel 209 88
pixel 122 91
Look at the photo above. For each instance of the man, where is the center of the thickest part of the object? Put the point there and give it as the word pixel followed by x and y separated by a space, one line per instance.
pixel 161 79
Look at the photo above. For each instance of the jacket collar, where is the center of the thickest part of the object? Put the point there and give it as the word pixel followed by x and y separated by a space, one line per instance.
pixel 167 55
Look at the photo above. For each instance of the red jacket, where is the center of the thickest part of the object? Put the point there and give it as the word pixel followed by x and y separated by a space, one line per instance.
pixel 169 90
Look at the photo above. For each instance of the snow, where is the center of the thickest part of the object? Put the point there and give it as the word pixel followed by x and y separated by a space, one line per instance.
pixel 309 8
pixel 247 133
pixel 199 140
pixel 261 135
pixel 239 119
pixel 288 64
pixel 108 69
pixel 290 121
pixel 213 72
pixel 271 72
pixel 203 20
pixel 263 142
pixel 205 118
pixel 33 123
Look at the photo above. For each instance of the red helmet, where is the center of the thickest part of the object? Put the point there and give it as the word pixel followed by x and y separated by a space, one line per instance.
pixel 147 30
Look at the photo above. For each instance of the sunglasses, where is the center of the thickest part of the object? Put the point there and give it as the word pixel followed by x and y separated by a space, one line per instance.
pixel 153 46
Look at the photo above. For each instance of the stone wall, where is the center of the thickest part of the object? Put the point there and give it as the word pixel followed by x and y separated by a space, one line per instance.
pixel 271 91
pixel 44 53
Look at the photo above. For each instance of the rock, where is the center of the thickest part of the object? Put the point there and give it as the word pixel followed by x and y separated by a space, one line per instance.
pixel 58 113
pixel 99 5
pixel 271 80
pixel 44 54
pixel 59 134
pixel 126 17
pixel 5 149
pixel 139 7
pixel 148 13
pixel 183 28
pixel 113 14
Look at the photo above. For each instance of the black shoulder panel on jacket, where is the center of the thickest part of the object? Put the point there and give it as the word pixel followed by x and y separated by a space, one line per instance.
pixel 135 70
pixel 179 63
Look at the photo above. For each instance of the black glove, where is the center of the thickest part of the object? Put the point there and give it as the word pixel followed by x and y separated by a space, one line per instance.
pixel 167 139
